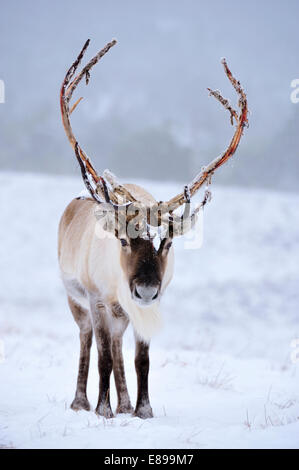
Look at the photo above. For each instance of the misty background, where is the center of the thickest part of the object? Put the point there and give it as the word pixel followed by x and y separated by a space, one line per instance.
pixel 146 112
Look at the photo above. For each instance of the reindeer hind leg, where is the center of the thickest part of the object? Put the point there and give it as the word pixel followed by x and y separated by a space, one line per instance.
pixel 83 320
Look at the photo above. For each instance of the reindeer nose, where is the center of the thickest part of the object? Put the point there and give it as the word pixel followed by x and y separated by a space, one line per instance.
pixel 146 293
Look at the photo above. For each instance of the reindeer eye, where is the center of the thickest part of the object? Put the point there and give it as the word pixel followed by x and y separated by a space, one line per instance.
pixel 123 242
pixel 168 245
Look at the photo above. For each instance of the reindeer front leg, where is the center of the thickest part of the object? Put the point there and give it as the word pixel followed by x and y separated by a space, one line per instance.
pixel 119 326
pixel 105 361
pixel 143 408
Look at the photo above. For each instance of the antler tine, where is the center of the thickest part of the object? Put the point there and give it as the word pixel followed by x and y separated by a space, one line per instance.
pixel 241 121
pixel 117 186
pixel 180 225
pixel 225 103
pixel 72 70
pixel 86 70
pixel 85 176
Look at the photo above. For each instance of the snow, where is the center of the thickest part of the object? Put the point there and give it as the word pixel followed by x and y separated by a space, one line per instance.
pixel 222 374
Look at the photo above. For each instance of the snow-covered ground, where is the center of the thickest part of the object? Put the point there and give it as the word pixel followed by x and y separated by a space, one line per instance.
pixel 222 374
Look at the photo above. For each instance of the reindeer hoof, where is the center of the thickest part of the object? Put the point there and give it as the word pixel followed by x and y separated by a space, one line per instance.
pixel 126 408
pixel 104 410
pixel 80 404
pixel 144 412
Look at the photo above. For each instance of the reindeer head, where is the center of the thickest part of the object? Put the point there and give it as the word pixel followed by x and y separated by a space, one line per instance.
pixel 144 253
pixel 131 220
pixel 144 267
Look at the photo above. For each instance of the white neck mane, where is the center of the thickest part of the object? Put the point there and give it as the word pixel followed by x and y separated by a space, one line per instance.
pixel 147 320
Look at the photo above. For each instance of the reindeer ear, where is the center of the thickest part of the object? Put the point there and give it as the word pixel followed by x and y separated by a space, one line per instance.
pixel 165 246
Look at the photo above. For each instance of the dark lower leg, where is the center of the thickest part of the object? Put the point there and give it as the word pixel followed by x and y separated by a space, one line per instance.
pixel 143 408
pixel 82 318
pixel 81 401
pixel 124 404
pixel 105 368
pixel 102 331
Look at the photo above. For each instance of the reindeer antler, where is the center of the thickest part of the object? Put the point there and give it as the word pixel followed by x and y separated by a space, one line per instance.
pixel 241 121
pixel 89 174
pixel 163 212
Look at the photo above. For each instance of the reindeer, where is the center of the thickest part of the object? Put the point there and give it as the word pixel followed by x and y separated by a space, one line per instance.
pixel 111 269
